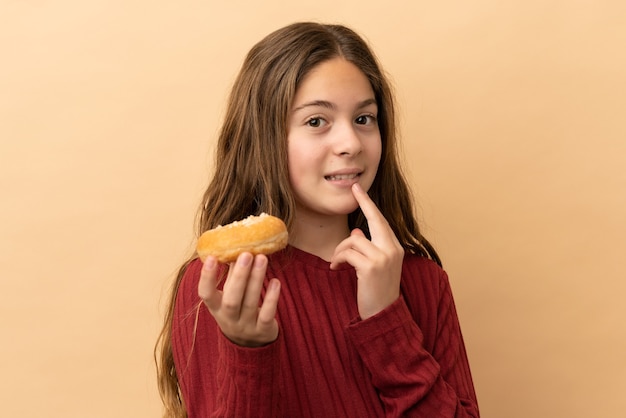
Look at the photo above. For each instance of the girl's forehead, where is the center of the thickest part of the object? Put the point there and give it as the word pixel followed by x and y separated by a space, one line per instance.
pixel 333 80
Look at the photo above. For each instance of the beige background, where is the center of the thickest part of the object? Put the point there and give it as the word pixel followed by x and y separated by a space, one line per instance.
pixel 513 115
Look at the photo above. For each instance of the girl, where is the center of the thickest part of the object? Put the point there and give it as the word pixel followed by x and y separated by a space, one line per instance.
pixel 355 318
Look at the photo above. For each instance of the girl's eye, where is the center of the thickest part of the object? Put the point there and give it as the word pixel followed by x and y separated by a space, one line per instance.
pixel 315 122
pixel 365 119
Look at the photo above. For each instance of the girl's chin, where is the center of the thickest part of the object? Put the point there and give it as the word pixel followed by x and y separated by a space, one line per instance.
pixel 338 209
pixel 345 209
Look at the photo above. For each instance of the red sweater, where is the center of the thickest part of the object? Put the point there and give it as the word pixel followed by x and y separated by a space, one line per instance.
pixel 407 361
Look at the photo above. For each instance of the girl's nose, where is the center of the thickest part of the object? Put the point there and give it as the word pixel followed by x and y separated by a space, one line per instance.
pixel 347 140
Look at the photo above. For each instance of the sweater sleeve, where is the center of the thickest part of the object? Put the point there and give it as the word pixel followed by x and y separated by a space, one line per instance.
pixel 216 376
pixel 414 381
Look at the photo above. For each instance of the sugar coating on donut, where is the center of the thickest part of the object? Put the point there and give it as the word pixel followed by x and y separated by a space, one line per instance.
pixel 262 234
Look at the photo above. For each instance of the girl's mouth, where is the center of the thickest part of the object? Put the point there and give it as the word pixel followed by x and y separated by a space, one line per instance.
pixel 342 176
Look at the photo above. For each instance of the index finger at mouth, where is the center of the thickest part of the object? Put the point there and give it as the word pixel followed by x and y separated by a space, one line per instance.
pixel 376 221
pixel 368 207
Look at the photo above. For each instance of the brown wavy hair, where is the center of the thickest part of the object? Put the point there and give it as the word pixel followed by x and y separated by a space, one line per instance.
pixel 251 167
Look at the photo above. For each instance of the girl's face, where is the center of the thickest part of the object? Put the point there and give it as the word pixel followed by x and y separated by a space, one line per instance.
pixel 333 138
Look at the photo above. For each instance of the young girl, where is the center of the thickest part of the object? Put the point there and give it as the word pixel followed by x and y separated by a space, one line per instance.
pixel 355 318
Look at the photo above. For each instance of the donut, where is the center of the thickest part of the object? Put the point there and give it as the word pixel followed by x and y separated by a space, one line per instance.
pixel 263 234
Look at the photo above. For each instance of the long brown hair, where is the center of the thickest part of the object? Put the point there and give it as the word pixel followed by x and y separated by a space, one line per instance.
pixel 251 167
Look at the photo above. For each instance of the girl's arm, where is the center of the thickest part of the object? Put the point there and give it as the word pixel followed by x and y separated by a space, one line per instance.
pixel 218 377
pixel 416 377
pixel 413 380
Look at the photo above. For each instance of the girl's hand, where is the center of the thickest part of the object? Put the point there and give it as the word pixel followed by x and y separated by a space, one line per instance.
pixel 378 262
pixel 236 308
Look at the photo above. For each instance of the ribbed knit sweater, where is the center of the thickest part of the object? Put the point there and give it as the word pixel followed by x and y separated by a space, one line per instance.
pixel 407 361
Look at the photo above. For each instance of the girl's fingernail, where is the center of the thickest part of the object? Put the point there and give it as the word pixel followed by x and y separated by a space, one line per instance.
pixel 274 285
pixel 210 263
pixel 259 262
pixel 244 259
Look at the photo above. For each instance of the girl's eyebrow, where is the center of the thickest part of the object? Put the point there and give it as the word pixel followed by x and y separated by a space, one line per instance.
pixel 329 105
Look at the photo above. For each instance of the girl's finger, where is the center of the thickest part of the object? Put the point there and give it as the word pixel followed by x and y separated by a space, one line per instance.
pixel 369 208
pixel 250 303
pixel 351 256
pixel 207 286
pixel 378 225
pixel 356 232
pixel 235 285
pixel 267 312
pixel 356 242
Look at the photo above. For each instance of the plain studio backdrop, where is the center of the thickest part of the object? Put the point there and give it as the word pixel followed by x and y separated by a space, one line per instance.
pixel 513 117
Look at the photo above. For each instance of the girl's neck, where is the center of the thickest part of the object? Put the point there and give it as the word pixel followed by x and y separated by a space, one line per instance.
pixel 319 235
